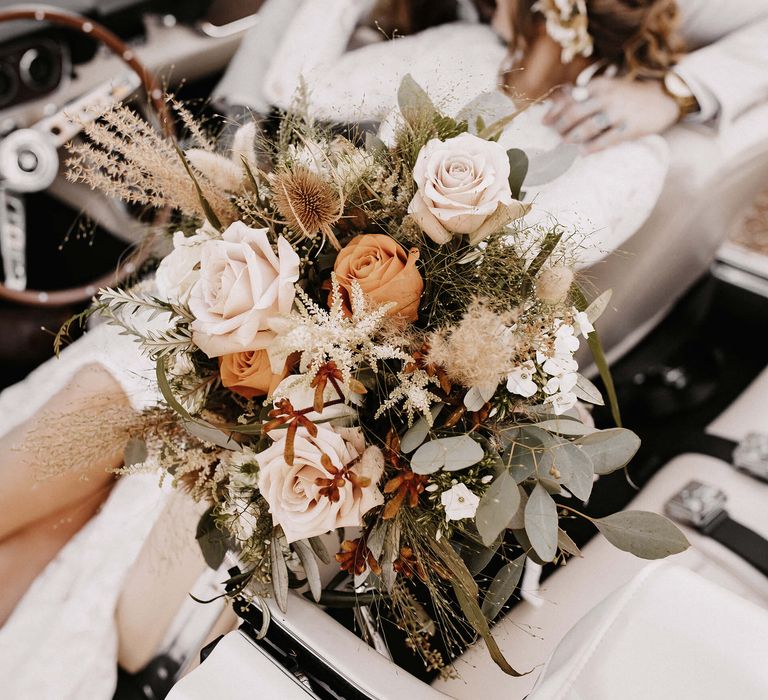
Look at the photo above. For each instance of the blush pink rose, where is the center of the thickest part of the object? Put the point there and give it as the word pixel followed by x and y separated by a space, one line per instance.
pixel 293 491
pixel 243 284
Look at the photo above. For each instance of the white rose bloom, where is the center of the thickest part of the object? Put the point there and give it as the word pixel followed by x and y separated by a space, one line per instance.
pixel 296 389
pixel 520 380
pixel 459 502
pixel 242 285
pixel 176 274
pixel 463 188
pixel 293 491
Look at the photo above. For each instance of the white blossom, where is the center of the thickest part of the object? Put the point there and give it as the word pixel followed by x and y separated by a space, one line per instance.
pixel 583 323
pixel 520 380
pixel 459 502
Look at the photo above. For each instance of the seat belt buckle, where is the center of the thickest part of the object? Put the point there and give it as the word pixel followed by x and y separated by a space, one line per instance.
pixel 751 455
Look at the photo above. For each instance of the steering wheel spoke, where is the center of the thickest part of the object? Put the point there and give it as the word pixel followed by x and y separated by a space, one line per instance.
pixel 13 239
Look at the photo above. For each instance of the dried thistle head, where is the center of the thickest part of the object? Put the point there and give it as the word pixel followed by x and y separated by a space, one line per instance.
pixel 309 204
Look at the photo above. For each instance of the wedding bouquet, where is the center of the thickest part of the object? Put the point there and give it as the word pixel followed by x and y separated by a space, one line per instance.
pixel 366 340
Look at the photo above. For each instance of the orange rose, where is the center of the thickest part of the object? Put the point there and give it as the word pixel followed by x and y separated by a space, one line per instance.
pixel 384 271
pixel 249 373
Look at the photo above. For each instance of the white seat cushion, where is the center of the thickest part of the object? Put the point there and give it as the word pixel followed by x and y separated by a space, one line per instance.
pixel 669 633
pixel 529 633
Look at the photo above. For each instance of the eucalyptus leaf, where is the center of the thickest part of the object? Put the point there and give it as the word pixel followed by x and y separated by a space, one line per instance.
pixel 307 557
pixel 646 535
pixel 566 426
pixel 576 470
pixel 523 540
pixel 415 435
pixel 517 522
pixel 610 449
pixel 413 101
pixel 207 433
pixel 318 547
pixel 388 555
pixel 598 306
pixel 279 570
pixel 477 556
pixel 212 541
pixel 266 618
pixel 135 452
pixel 587 391
pixel 541 523
pixel 565 543
pixel 502 587
pixel 450 453
pixel 497 506
pixel 374 145
pixel 518 168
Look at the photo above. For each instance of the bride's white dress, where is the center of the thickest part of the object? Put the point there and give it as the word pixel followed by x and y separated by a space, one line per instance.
pixel 606 196
pixel 60 642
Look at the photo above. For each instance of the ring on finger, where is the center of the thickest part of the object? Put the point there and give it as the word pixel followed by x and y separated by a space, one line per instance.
pixel 602 120
pixel 580 93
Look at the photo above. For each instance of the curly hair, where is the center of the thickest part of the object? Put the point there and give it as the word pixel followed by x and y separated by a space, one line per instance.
pixel 639 36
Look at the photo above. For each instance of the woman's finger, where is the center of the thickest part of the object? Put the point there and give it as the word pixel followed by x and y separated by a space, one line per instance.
pixel 589 128
pixel 560 100
pixel 575 113
pixel 610 137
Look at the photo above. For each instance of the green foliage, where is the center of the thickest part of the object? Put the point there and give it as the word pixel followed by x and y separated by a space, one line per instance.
pixel 646 535
pixel 518 168
pixel 502 587
pixel 212 541
pixel 497 506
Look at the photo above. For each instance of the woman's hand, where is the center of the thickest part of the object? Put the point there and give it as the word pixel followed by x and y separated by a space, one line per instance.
pixel 611 110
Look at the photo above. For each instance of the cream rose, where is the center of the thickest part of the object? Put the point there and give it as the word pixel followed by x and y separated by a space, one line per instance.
pixel 180 269
pixel 463 188
pixel 242 285
pixel 294 491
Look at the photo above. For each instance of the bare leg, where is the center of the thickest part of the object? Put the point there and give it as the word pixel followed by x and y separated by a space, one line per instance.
pixel 55 474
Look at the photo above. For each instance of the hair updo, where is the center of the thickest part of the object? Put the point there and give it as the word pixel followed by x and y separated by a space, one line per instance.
pixel 639 36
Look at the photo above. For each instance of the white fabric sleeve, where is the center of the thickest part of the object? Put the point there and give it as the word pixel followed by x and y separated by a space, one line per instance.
pixel 731 75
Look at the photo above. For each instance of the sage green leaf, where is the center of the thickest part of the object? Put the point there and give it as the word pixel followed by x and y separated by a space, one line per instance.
pixel 266 617
pixel 576 470
pixel 212 541
pixel 307 557
pixel 566 426
pixel 502 587
pixel 465 588
pixel 517 522
pixel 477 556
pixel 416 435
pixel 279 570
pixel 587 391
pixel 135 452
pixel 319 549
pixel 598 306
pixel 565 543
pixel 646 535
pixel 541 523
pixel 207 433
pixel 374 145
pixel 610 449
pixel 204 204
pixel 499 503
pixel 518 168
pixel 450 453
pixel 522 539
pixel 413 101
pixel 388 555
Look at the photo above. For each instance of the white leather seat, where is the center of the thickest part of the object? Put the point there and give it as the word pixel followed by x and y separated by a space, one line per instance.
pixel 669 634
pixel 711 180
pixel 529 633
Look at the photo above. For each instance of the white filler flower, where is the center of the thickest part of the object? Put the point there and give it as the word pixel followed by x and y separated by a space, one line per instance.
pixel 459 502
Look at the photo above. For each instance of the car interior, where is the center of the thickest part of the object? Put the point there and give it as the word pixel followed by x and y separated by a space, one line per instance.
pixel 683 334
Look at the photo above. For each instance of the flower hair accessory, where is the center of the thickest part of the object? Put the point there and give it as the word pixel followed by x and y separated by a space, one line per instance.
pixel 567 24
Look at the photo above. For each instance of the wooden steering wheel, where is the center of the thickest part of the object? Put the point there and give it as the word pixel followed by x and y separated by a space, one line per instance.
pixel 29 161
